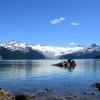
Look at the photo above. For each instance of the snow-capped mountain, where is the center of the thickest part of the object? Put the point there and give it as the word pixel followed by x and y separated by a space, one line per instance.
pixel 14 45
pixel 48 51
pixel 90 52
pixel 16 50
pixel 53 52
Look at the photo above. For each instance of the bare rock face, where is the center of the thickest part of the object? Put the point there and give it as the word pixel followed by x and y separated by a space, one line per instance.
pixel 24 96
pixel 5 95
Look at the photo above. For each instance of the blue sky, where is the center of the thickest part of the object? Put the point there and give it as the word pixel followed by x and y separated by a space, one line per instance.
pixel 50 22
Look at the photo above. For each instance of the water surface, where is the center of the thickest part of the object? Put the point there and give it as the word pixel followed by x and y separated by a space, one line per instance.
pixel 34 75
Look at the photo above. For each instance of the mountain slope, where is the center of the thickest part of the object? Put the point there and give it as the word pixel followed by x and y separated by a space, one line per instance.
pixel 87 53
pixel 19 50
pixel 8 54
pixel 47 51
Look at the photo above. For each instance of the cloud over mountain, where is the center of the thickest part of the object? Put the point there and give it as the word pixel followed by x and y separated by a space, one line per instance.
pixel 72 43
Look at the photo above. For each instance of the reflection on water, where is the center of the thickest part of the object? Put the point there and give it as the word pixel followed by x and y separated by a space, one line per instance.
pixel 33 75
pixel 22 69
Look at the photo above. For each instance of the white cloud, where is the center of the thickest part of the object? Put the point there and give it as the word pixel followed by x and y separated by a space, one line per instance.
pixel 72 44
pixel 75 23
pixel 57 21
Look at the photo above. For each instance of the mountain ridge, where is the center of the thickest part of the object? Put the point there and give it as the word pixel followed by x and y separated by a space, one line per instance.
pixel 51 52
pixel 48 51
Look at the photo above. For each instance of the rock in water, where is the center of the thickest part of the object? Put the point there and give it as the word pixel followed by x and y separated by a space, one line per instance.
pixel 24 97
pixel 96 85
pixel 47 90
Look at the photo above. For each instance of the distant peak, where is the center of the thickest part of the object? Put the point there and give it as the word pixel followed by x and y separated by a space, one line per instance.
pixel 94 45
pixel 12 42
pixel 80 45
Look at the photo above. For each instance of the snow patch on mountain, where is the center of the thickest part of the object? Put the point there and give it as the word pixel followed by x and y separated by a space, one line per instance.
pixel 48 51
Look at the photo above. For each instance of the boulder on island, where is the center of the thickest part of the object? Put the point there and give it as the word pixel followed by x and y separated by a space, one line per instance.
pixel 66 64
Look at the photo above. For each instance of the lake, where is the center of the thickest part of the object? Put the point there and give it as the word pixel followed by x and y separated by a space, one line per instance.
pixel 20 76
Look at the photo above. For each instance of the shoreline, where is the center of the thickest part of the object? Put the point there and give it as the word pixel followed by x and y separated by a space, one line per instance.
pixel 48 94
